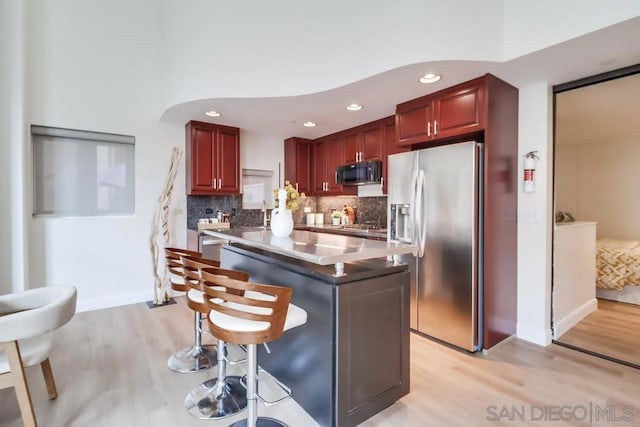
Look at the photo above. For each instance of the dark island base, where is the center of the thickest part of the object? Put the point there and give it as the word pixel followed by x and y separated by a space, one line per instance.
pixel 351 359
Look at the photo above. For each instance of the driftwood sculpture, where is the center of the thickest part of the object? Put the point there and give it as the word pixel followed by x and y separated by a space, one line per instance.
pixel 160 231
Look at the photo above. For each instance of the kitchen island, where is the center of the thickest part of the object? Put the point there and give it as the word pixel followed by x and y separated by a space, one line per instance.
pixel 351 359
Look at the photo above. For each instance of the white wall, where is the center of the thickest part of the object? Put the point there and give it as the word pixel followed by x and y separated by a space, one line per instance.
pixel 534 25
pixel 566 179
pixel 535 216
pixel 262 152
pixel 94 66
pixel 12 214
pixel 599 182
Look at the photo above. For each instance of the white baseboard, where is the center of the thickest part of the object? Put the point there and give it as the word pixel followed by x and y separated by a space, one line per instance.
pixel 534 335
pixel 570 320
pixel 90 304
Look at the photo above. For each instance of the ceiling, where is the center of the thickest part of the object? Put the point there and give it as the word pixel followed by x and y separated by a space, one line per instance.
pixel 597 52
pixel 603 112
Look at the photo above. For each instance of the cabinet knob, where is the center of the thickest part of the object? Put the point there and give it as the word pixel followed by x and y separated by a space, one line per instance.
pixel 214 184
pixel 219 184
pixel 435 127
pixel 428 128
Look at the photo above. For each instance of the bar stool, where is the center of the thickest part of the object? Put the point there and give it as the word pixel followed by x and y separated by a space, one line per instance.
pixel 196 358
pixel 258 316
pixel 224 395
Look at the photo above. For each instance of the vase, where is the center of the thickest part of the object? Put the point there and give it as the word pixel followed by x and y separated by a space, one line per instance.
pixel 281 218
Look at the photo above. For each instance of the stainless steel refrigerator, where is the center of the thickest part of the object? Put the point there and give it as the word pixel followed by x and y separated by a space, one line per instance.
pixel 435 201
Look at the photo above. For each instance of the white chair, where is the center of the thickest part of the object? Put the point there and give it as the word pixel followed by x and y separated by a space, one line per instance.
pixel 27 322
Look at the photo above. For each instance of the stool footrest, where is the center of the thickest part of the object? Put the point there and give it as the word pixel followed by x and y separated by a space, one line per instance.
pixel 272 385
pixel 235 354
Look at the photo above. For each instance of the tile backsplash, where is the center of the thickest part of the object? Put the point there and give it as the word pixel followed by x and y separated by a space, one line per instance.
pixel 369 210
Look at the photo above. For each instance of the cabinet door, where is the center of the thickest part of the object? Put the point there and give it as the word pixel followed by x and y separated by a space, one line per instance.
pixel 372 143
pixel 319 167
pixel 297 154
pixel 202 157
pixel 459 112
pixel 413 123
pixel 290 160
pixel 303 159
pixel 334 158
pixel 228 161
pixel 351 147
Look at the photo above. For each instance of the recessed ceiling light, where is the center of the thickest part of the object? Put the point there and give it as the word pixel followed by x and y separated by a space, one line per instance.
pixel 212 113
pixel 354 107
pixel 430 78
pixel 310 124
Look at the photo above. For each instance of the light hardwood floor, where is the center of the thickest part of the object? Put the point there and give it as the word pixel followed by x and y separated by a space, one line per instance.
pixel 612 330
pixel 110 368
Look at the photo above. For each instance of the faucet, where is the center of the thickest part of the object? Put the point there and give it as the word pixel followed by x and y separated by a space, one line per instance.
pixel 265 217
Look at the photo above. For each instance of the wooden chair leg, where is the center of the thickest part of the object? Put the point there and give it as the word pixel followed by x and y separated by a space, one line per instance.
pixel 48 379
pixel 20 384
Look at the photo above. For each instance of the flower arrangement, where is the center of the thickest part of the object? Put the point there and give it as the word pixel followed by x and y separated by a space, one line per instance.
pixel 336 214
pixel 293 196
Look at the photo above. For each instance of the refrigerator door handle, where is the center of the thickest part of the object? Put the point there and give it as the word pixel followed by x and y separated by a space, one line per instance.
pixel 412 207
pixel 420 215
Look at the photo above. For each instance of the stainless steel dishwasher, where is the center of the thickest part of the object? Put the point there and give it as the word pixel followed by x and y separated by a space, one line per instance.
pixel 210 246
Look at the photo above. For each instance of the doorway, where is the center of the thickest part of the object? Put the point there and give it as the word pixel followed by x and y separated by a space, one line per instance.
pixel 596 237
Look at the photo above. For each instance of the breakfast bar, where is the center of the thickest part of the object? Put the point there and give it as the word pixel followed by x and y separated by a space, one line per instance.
pixel 351 359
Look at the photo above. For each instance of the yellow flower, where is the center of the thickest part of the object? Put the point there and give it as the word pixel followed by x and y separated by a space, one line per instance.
pixel 293 196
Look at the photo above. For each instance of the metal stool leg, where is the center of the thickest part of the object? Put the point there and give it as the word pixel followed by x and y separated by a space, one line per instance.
pixel 218 397
pixel 252 392
pixel 196 358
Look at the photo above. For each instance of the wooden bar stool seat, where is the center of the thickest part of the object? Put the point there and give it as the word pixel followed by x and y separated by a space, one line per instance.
pixel 197 357
pixel 222 396
pixel 248 314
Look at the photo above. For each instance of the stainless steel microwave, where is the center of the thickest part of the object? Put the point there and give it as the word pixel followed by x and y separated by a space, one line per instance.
pixel 359 173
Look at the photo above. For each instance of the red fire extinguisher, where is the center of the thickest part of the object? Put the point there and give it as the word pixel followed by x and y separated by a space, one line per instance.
pixel 529 171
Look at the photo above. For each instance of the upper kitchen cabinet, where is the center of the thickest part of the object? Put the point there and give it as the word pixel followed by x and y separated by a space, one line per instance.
pixel 212 159
pixel 297 163
pixel 455 111
pixel 363 143
pixel 319 172
pixel 328 154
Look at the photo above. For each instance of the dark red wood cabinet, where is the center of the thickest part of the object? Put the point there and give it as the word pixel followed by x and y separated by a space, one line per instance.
pixel 363 143
pixel 212 159
pixel 451 112
pixel 334 158
pixel 319 156
pixel 327 155
pixel 297 163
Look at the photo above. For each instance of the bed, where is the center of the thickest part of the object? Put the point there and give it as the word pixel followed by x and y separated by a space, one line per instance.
pixel 618 270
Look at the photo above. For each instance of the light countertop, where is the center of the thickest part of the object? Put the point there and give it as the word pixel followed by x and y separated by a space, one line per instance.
pixel 318 248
